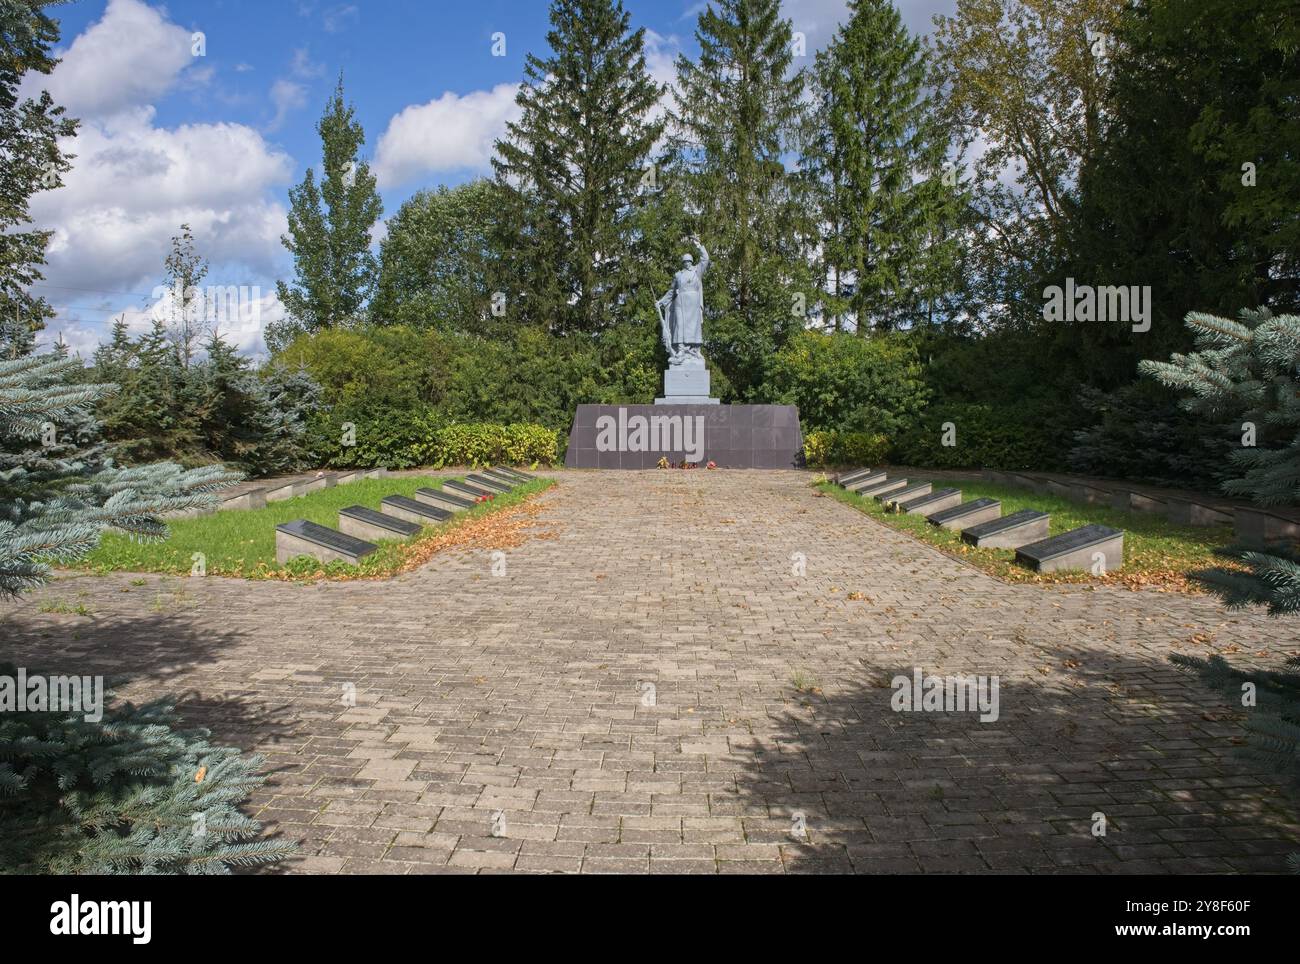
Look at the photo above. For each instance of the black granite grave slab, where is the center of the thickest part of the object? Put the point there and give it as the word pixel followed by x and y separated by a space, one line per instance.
pixel 376 525
pixel 448 499
pixel 331 540
pixel 410 507
pixel 848 478
pixel 1075 549
pixel 510 478
pixel 1009 532
pixel 949 517
pixel 496 485
pixel 936 499
pixel 866 483
pixel 473 491
pixel 915 490
pixel 873 490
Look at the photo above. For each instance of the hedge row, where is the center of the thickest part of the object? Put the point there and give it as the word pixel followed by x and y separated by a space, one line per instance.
pixel 824 449
pixel 404 440
pixel 959 436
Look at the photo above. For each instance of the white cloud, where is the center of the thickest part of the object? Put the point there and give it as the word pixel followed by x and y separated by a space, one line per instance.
pixel 133 184
pixel 339 17
pixel 451 133
pixel 303 66
pixel 131 187
pixel 819 19
pixel 661 57
pixel 126 59
pixel 287 96
pixel 458 132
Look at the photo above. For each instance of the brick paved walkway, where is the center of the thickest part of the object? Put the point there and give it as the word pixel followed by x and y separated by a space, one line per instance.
pixel 652 688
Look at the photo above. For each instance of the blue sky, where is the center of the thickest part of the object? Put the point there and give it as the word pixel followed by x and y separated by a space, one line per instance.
pixel 217 140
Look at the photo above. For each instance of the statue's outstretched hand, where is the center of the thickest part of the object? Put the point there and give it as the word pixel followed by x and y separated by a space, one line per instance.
pixel 704 255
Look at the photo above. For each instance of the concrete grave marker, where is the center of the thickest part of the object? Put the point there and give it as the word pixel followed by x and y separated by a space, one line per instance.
pixel 303 538
pixel 1018 529
pixel 247 500
pixel 931 502
pixel 967 514
pixel 1084 548
pixel 876 489
pixel 363 523
pixel 444 500
pixel 848 478
pixel 489 483
pixel 469 489
pixel 913 491
pixel 410 510
pixel 868 481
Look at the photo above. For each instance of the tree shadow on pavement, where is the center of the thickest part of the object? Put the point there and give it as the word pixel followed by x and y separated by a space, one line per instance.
pixel 1085 735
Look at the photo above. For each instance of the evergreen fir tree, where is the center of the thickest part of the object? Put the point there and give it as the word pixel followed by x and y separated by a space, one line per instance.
pixel 1249 372
pixel 154 412
pixel 287 401
pixel 329 232
pixel 128 794
pixel 228 408
pixel 30 161
pixel 217 409
pixel 739 112
pixel 56 509
pixel 256 421
pixel 570 169
pixel 878 158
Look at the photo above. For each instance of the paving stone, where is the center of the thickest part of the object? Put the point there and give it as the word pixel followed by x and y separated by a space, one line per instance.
pixel 525 696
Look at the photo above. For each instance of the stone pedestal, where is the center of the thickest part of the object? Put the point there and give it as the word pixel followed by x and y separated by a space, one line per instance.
pixel 686 385
pixel 732 436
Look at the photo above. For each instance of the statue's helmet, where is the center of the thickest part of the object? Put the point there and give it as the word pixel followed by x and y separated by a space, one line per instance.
pixel 688 258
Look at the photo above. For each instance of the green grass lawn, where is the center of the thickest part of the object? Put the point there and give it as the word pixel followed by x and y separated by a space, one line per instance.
pixel 242 543
pixel 1156 552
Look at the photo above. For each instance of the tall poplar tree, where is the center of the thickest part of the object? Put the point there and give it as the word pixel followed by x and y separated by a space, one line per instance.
pixel 329 232
pixel 878 156
pixel 739 114
pixel 570 170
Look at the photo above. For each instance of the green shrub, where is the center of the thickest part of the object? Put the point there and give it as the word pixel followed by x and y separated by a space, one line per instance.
pixel 393 439
pixel 529 377
pixel 1140 433
pixel 479 444
pixel 849 384
pixel 406 440
pixel 823 449
pixel 983 435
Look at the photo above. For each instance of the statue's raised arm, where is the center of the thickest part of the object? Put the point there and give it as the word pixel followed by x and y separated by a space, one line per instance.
pixel 704 257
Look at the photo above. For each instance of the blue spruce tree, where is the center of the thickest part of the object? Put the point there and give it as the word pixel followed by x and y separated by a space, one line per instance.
pixel 1248 371
pixel 129 792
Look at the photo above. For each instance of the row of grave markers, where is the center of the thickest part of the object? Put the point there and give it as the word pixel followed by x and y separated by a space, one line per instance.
pixel 1254 526
pixel 280 490
pixel 398 517
pixel 982 524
